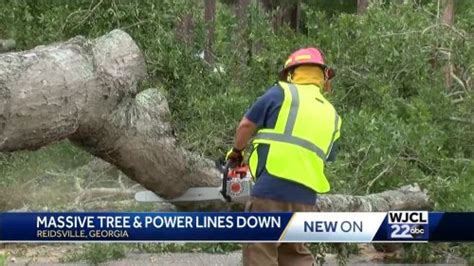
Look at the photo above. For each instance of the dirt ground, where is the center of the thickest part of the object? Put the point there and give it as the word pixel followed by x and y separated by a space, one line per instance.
pixel 52 254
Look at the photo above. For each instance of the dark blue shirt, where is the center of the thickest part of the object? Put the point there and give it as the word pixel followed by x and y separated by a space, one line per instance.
pixel 264 114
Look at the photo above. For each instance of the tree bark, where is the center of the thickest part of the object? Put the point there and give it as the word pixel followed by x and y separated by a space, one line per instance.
pixel 295 14
pixel 209 18
pixel 409 197
pixel 241 42
pixel 283 12
pixel 448 12
pixel 448 19
pixel 185 28
pixel 86 90
pixel 362 6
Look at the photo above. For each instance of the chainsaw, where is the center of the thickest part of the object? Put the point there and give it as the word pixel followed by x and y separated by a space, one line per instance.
pixel 236 186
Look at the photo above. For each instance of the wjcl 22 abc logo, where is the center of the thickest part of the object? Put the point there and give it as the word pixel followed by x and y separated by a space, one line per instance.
pixel 408 225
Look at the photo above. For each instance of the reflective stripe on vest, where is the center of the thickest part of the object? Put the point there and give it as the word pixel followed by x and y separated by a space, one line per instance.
pixel 290 123
pixel 292 164
pixel 293 140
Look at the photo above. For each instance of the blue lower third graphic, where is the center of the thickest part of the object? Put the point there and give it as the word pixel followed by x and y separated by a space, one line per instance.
pixel 129 227
pixel 361 227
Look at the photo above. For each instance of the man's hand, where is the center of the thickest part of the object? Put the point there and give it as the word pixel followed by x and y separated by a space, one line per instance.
pixel 245 130
pixel 235 157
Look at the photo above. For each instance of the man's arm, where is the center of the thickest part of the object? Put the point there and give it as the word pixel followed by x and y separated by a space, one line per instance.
pixel 244 132
pixel 255 117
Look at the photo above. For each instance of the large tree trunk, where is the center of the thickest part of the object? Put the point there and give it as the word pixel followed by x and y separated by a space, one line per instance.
pixel 405 198
pixel 283 12
pixel 86 90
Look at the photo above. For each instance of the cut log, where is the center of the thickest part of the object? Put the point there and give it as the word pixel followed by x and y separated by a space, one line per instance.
pixel 409 197
pixel 86 91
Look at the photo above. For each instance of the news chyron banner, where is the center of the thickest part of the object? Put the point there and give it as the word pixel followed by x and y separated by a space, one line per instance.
pixel 394 226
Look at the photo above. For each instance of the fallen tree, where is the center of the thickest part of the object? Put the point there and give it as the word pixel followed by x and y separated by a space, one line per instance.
pixel 409 197
pixel 87 91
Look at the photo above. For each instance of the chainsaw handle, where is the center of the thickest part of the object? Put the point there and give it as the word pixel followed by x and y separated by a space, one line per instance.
pixel 224 181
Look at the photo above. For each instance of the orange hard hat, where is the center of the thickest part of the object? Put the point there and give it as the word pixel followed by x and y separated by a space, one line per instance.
pixel 305 56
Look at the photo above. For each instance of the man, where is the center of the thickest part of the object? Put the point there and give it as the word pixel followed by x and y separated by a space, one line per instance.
pixel 296 129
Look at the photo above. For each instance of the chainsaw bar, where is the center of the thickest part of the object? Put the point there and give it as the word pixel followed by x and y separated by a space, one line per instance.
pixel 236 186
pixel 192 194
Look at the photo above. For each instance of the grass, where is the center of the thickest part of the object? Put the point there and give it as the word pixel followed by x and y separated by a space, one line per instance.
pixel 3 259
pixel 96 253
pixel 343 251
pixel 215 248
pixel 29 178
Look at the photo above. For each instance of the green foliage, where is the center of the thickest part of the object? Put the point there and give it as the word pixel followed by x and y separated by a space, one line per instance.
pixel 3 260
pixel 343 252
pixel 435 252
pixel 96 253
pixel 188 247
pixel 28 178
pixel 56 157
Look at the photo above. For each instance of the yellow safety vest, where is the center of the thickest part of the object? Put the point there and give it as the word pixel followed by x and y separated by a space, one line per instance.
pixel 305 130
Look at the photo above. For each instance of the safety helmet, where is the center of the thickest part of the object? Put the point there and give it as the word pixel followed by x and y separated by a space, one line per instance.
pixel 311 56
